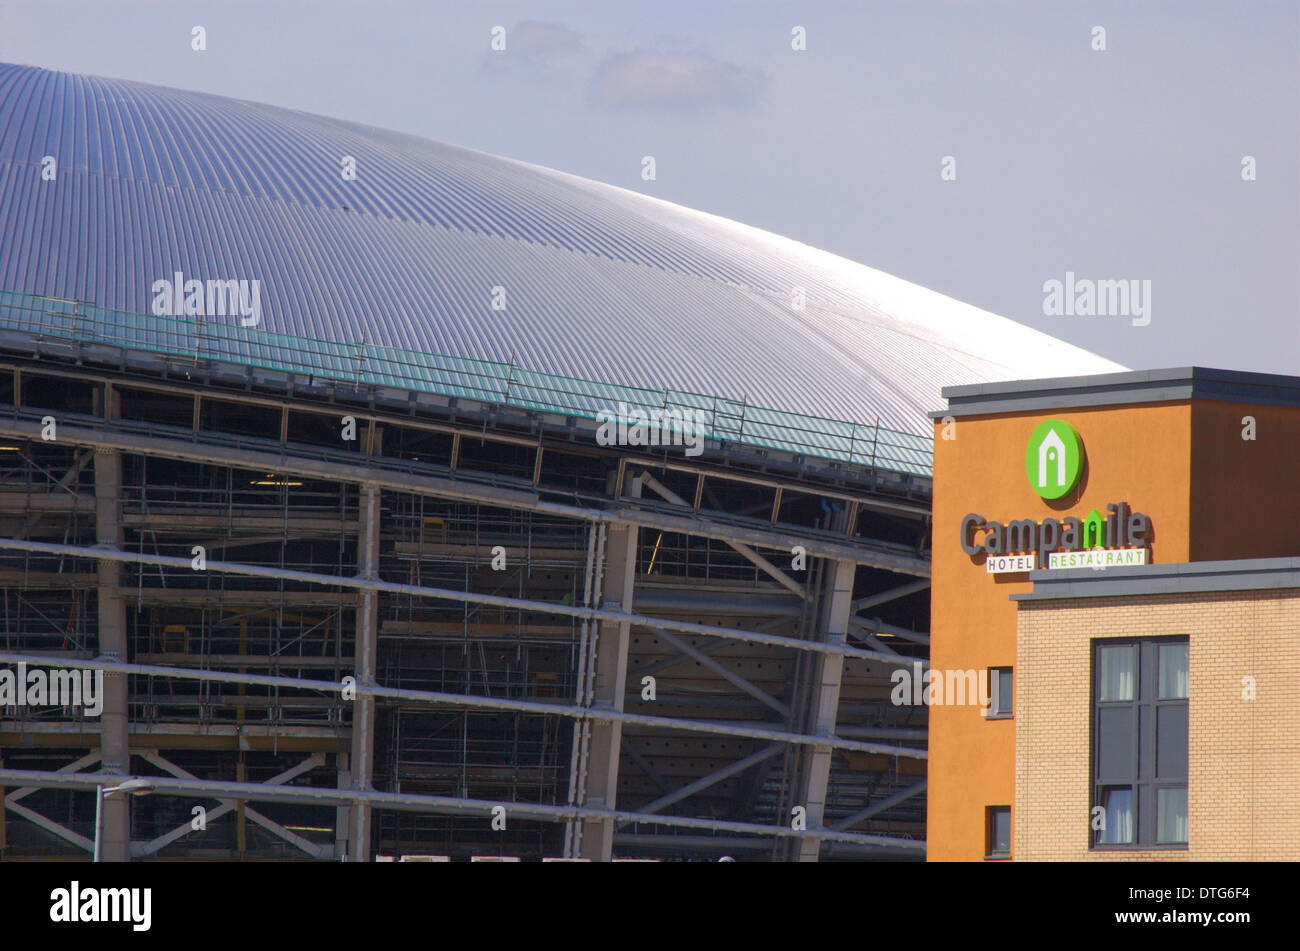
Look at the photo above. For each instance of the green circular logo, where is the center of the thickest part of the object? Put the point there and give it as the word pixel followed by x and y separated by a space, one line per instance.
pixel 1053 459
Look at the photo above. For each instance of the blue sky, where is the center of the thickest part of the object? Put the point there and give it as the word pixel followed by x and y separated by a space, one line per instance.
pixel 1117 164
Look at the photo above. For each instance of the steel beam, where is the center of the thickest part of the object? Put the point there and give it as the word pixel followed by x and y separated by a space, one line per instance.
pixel 863 632
pixel 419 591
pixel 760 603
pixel 729 844
pixel 456 429
pixel 885 732
pixel 224 806
pixel 879 807
pixel 363 710
pixel 712 779
pixel 875 626
pixel 472 700
pixel 730 676
pixel 595 562
pixel 828 672
pixel 72 767
pixel 611 647
pixel 715 843
pixel 49 825
pixel 401 476
pixel 645 766
pixel 670 662
pixel 754 557
pixel 114 732
pixel 440 805
pixel 82 460
pixel 902 590
pixel 343 814
pixel 173 735
pixel 52 827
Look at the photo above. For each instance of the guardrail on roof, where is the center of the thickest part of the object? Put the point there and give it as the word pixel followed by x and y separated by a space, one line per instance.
pixel 735 421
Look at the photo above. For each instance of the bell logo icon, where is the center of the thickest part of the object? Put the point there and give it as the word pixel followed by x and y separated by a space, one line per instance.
pixel 1054 459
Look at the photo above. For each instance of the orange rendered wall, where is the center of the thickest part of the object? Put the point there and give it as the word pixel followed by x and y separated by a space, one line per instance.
pixel 1135 454
pixel 1245 502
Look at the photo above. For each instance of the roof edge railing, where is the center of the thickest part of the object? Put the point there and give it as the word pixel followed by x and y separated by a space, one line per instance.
pixel 729 420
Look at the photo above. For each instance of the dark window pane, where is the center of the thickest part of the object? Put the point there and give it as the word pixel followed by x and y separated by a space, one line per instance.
pixel 1115 743
pixel 1000 833
pixel 1146 720
pixel 1171 741
pixel 1005 690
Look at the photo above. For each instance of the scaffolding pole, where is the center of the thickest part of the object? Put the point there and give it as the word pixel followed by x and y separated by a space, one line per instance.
pixel 363 712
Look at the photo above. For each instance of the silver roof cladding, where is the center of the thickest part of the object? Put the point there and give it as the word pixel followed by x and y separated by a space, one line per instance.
pixel 601 283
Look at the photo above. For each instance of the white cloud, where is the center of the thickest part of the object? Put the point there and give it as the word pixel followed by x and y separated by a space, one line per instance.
pixel 672 82
pixel 534 48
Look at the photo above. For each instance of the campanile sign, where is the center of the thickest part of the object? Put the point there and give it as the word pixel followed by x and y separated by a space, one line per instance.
pixel 1054 459
pixel 1054 463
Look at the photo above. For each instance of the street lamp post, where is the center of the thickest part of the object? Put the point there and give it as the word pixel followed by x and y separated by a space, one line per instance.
pixel 99 816
pixel 132 787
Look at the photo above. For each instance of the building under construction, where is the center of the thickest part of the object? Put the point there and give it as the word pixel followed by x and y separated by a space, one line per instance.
pixel 362 579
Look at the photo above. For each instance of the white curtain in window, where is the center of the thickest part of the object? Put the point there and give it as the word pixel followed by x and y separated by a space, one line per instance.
pixel 1171 815
pixel 1119 816
pixel 1173 671
pixel 1117 672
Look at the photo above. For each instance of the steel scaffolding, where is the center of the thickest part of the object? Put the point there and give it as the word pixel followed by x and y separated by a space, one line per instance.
pixel 343 648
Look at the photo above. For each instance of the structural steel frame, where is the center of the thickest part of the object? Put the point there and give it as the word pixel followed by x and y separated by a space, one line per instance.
pixel 809 737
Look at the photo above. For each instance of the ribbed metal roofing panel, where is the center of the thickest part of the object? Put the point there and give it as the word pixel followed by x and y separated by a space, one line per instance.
pixel 602 284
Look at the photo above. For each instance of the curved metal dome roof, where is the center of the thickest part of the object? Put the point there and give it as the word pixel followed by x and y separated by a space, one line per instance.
pixel 601 283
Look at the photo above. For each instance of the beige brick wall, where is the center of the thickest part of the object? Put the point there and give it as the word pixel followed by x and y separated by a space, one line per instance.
pixel 1244 755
